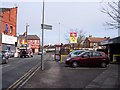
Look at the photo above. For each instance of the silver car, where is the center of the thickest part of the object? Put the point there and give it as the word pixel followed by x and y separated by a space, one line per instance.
pixel 3 59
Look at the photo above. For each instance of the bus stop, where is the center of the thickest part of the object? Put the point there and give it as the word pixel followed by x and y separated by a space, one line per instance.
pixel 113 49
pixel 58 49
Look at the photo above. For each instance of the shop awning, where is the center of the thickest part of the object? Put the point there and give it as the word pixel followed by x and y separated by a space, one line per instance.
pixel 115 40
pixel 110 41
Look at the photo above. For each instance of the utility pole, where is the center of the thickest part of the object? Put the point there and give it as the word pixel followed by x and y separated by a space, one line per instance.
pixel 42 58
pixel 26 34
pixel 59 32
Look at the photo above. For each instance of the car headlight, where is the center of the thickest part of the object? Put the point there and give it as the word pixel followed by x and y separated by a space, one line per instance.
pixel 68 59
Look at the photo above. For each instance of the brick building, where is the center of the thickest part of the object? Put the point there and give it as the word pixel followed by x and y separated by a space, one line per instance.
pixel 92 42
pixel 33 42
pixel 8 23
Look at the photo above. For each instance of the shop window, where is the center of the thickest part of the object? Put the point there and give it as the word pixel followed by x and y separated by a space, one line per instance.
pixel 11 29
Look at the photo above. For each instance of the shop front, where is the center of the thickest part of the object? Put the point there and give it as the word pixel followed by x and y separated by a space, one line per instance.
pixel 8 42
pixel 35 48
pixel 113 49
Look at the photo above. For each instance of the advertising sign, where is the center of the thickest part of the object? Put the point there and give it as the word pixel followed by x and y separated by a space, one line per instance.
pixel 73 37
pixel 8 39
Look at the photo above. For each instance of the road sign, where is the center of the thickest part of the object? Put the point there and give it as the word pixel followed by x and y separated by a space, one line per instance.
pixel 73 37
pixel 44 26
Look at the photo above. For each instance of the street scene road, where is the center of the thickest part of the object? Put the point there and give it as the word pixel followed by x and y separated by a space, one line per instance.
pixel 57 74
pixel 16 68
pixel 61 44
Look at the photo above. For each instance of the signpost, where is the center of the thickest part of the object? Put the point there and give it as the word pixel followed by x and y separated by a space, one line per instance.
pixel 43 26
pixel 48 27
pixel 73 37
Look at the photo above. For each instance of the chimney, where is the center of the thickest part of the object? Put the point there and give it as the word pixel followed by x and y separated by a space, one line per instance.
pixel 90 35
pixel 108 38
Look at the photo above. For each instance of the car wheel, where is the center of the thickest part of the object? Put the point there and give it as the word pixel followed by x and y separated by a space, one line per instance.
pixel 74 64
pixel 6 61
pixel 103 64
pixel 3 60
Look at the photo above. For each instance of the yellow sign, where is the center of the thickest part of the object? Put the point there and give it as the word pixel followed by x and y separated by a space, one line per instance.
pixel 73 37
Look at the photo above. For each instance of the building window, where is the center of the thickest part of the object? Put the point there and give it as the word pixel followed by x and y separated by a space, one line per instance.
pixel 6 28
pixel 35 41
pixel 30 41
pixel 11 29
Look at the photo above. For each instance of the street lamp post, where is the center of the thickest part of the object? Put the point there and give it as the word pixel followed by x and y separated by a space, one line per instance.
pixel 59 32
pixel 26 34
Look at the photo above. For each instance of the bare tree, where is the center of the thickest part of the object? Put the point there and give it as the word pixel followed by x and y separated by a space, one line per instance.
pixel 80 37
pixel 113 11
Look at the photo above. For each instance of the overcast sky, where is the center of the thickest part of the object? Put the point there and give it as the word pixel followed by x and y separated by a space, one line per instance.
pixel 86 16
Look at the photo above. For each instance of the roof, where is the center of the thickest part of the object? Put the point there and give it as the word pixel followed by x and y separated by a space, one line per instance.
pixel 110 41
pixel 33 37
pixel 4 9
pixel 115 40
pixel 96 40
pixel 30 37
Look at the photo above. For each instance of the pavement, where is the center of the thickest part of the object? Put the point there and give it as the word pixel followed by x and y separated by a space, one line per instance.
pixel 107 79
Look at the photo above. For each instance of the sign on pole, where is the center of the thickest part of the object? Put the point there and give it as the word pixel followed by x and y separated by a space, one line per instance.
pixel 44 26
pixel 73 37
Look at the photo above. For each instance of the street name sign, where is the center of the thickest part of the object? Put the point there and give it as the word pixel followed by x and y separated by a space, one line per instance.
pixel 44 26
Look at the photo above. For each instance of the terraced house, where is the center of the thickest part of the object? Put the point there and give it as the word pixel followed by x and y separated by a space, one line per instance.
pixel 33 42
pixel 92 42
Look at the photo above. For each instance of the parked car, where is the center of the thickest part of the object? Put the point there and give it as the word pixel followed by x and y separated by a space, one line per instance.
pixel 26 53
pixel 11 54
pixel 75 53
pixel 5 53
pixel 3 59
pixel 29 53
pixel 40 53
pixel 88 58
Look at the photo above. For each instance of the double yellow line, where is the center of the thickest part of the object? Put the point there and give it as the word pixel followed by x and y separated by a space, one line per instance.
pixel 20 81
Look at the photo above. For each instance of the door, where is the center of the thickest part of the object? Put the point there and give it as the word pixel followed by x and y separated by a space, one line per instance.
pixel 85 59
pixel 95 59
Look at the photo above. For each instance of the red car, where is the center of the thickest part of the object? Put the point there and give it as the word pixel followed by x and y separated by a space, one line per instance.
pixel 89 58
